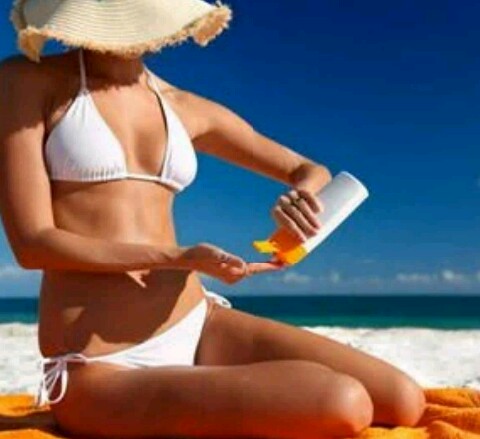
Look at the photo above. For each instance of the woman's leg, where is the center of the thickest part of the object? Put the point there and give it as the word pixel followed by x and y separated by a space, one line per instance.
pixel 232 336
pixel 284 399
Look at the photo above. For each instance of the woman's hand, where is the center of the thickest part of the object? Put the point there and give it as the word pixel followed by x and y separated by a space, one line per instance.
pixel 227 267
pixel 296 212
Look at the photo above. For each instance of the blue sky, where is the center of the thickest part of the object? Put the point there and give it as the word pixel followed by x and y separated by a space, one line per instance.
pixel 386 90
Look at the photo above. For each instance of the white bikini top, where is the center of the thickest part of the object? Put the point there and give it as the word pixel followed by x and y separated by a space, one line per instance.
pixel 82 147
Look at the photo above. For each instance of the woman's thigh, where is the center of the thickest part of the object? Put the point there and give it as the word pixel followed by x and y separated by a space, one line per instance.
pixel 273 399
pixel 232 336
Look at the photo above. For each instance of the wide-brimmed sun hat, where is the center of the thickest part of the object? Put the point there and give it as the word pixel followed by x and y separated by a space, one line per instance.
pixel 125 27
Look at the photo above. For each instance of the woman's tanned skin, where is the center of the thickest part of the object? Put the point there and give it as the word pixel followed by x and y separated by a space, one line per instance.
pixel 115 275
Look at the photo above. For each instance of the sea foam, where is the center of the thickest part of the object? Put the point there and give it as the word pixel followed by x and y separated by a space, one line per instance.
pixel 433 357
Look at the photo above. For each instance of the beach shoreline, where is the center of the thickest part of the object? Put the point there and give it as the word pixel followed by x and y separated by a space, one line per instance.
pixel 433 357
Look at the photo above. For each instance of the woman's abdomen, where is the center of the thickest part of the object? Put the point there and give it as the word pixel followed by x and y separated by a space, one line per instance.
pixel 98 312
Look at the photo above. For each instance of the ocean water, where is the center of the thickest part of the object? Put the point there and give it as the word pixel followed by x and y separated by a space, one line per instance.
pixel 443 312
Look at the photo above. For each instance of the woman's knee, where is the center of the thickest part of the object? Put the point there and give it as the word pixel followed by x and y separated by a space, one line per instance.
pixel 351 405
pixel 326 403
pixel 406 401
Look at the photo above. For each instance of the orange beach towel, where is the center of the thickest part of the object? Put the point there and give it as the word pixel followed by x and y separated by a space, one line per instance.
pixel 451 413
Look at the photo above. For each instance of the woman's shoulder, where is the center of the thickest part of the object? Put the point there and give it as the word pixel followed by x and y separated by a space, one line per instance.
pixel 18 68
pixel 30 79
pixel 20 64
pixel 22 86
pixel 168 90
pixel 176 96
pixel 183 99
pixel 192 109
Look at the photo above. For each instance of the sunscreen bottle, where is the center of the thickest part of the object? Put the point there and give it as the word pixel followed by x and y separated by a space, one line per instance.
pixel 340 198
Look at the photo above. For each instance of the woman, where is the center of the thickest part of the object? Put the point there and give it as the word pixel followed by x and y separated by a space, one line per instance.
pixel 89 173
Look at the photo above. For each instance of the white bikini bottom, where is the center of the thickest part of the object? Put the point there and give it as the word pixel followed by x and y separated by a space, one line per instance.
pixel 175 346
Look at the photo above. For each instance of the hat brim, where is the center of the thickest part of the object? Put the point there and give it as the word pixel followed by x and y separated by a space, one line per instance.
pixel 128 27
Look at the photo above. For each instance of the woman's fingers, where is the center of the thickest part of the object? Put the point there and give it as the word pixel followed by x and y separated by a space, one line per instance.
pixel 229 260
pixel 234 273
pixel 235 268
pixel 307 204
pixel 230 268
pixel 314 203
pixel 288 223
pixel 302 207
pixel 261 267
pixel 294 212
pixel 292 219
pixel 297 211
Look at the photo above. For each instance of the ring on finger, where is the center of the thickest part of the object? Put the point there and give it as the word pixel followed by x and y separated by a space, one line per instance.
pixel 295 201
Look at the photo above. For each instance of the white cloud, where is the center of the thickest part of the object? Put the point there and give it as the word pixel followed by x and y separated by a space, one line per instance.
pixel 368 280
pixel 333 277
pixel 334 281
pixel 9 271
pixel 293 277
pixel 451 276
pixel 446 276
pixel 415 278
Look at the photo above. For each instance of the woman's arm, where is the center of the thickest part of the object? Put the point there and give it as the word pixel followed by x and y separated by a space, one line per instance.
pixel 25 198
pixel 226 135
pixel 57 249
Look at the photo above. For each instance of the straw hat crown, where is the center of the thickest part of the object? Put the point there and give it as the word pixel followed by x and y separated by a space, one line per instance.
pixel 125 27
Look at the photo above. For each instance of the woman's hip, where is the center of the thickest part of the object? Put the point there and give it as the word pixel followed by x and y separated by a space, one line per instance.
pixel 177 345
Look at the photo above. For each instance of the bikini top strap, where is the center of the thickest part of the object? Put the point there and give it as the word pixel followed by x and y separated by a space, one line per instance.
pixel 152 83
pixel 83 75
